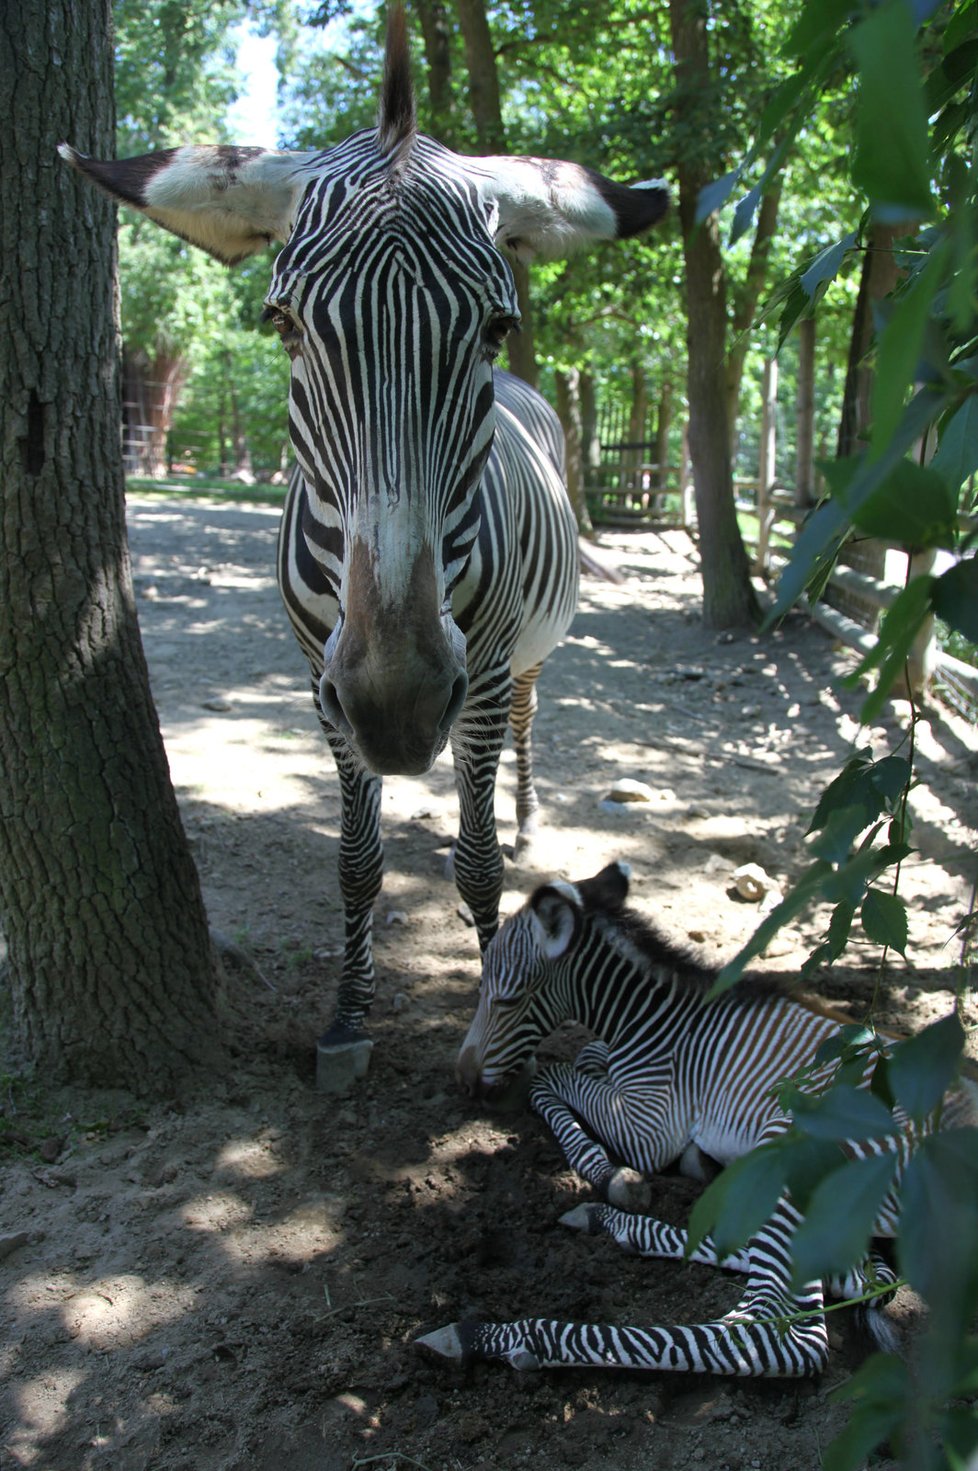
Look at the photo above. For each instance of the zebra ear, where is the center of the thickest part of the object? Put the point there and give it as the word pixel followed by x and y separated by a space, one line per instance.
pixel 556 911
pixel 548 208
pixel 608 890
pixel 231 202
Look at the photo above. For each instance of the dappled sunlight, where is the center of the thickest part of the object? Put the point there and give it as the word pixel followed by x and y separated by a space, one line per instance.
pixel 42 1406
pixel 249 1159
pixel 113 1310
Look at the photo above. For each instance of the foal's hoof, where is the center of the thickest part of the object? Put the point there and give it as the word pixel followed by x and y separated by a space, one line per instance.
pixel 444 1343
pixel 342 1059
pixel 586 1218
pixel 629 1190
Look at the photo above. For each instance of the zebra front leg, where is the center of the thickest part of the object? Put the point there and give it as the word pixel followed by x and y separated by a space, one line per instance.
pixel 343 1051
pixel 771 1333
pixel 522 711
pixel 645 1236
pixel 478 861
pixel 562 1095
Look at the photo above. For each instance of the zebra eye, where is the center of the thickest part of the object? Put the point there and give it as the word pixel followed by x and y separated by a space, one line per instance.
pixel 288 329
pixel 497 329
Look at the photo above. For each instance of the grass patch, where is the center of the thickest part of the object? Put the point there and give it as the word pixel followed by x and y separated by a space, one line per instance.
pixel 196 486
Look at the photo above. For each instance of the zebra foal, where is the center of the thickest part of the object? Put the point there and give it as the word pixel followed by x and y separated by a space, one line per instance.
pixel 428 556
pixel 666 1079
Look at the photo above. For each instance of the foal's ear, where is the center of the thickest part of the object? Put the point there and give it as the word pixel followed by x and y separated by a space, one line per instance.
pixel 545 207
pixel 231 202
pixel 608 890
pixel 556 910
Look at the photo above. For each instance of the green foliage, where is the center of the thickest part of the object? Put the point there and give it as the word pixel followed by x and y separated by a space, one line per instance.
pixel 915 120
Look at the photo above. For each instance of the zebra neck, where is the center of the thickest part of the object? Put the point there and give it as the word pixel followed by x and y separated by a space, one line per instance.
pixel 629 1003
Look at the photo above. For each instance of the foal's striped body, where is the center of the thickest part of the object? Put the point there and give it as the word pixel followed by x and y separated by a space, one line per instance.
pixel 670 1077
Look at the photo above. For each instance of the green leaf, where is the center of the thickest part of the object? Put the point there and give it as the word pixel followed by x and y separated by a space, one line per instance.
pixel 955 598
pixel 807 1162
pixel 835 841
pixel 816 26
pixel 923 1067
pixel 839 926
pixel 744 214
pixel 739 1201
pixel 849 883
pixel 714 196
pixel 899 349
pixel 797 899
pixel 851 1037
pixel 892 163
pixel 879 1389
pixel 840 1217
pixel 939 1224
pixel 900 626
pixel 816 546
pixel 912 505
pixel 890 775
pixel 850 787
pixel 826 265
pixel 843 1112
pixel 884 919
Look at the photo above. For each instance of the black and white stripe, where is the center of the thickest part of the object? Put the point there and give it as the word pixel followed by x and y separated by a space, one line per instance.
pixel 428 557
pixel 669 1077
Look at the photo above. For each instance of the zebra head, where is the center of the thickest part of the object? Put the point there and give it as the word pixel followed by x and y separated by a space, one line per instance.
pixel 534 976
pixel 392 296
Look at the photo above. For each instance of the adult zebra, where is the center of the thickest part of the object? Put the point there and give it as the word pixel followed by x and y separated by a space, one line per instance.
pixel 669 1076
pixel 425 567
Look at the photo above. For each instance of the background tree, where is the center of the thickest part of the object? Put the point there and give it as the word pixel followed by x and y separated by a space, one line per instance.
pixel 912 384
pixel 110 971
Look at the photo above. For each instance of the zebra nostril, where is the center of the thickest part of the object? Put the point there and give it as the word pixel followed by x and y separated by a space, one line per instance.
pixel 456 699
pixel 329 703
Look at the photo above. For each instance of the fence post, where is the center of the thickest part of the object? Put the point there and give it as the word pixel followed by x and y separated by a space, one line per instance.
pixel 924 652
pixel 767 463
pixel 687 497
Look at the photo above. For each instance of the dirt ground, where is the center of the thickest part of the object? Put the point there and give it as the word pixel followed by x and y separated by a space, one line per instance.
pixel 234 1282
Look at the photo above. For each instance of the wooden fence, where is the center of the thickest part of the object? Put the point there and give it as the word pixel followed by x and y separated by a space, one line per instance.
pixel 628 488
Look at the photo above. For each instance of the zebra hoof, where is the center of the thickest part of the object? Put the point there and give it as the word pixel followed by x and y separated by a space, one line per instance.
pixel 586 1218
pixel 629 1191
pixel 341 1064
pixel 444 1343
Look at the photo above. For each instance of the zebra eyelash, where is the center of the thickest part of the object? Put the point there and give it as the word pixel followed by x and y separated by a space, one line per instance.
pixel 288 329
pixel 496 331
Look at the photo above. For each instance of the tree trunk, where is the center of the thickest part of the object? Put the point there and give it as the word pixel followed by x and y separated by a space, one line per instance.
pixel 745 303
pixel 590 440
pixel 663 423
pixel 729 600
pixel 480 59
pixel 878 278
pixel 151 391
pixel 638 414
pixel 435 27
pixel 243 470
pixel 805 415
pixel 110 969
pixel 570 415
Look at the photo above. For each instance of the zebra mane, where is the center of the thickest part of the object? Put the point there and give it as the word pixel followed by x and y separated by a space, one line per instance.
pixel 628 930
pixel 397 120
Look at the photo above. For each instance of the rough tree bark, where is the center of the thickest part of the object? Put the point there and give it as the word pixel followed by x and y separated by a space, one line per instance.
pixel 805 415
pixel 436 29
pixel 729 600
pixel 110 970
pixel 878 278
pixel 151 390
pixel 569 411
